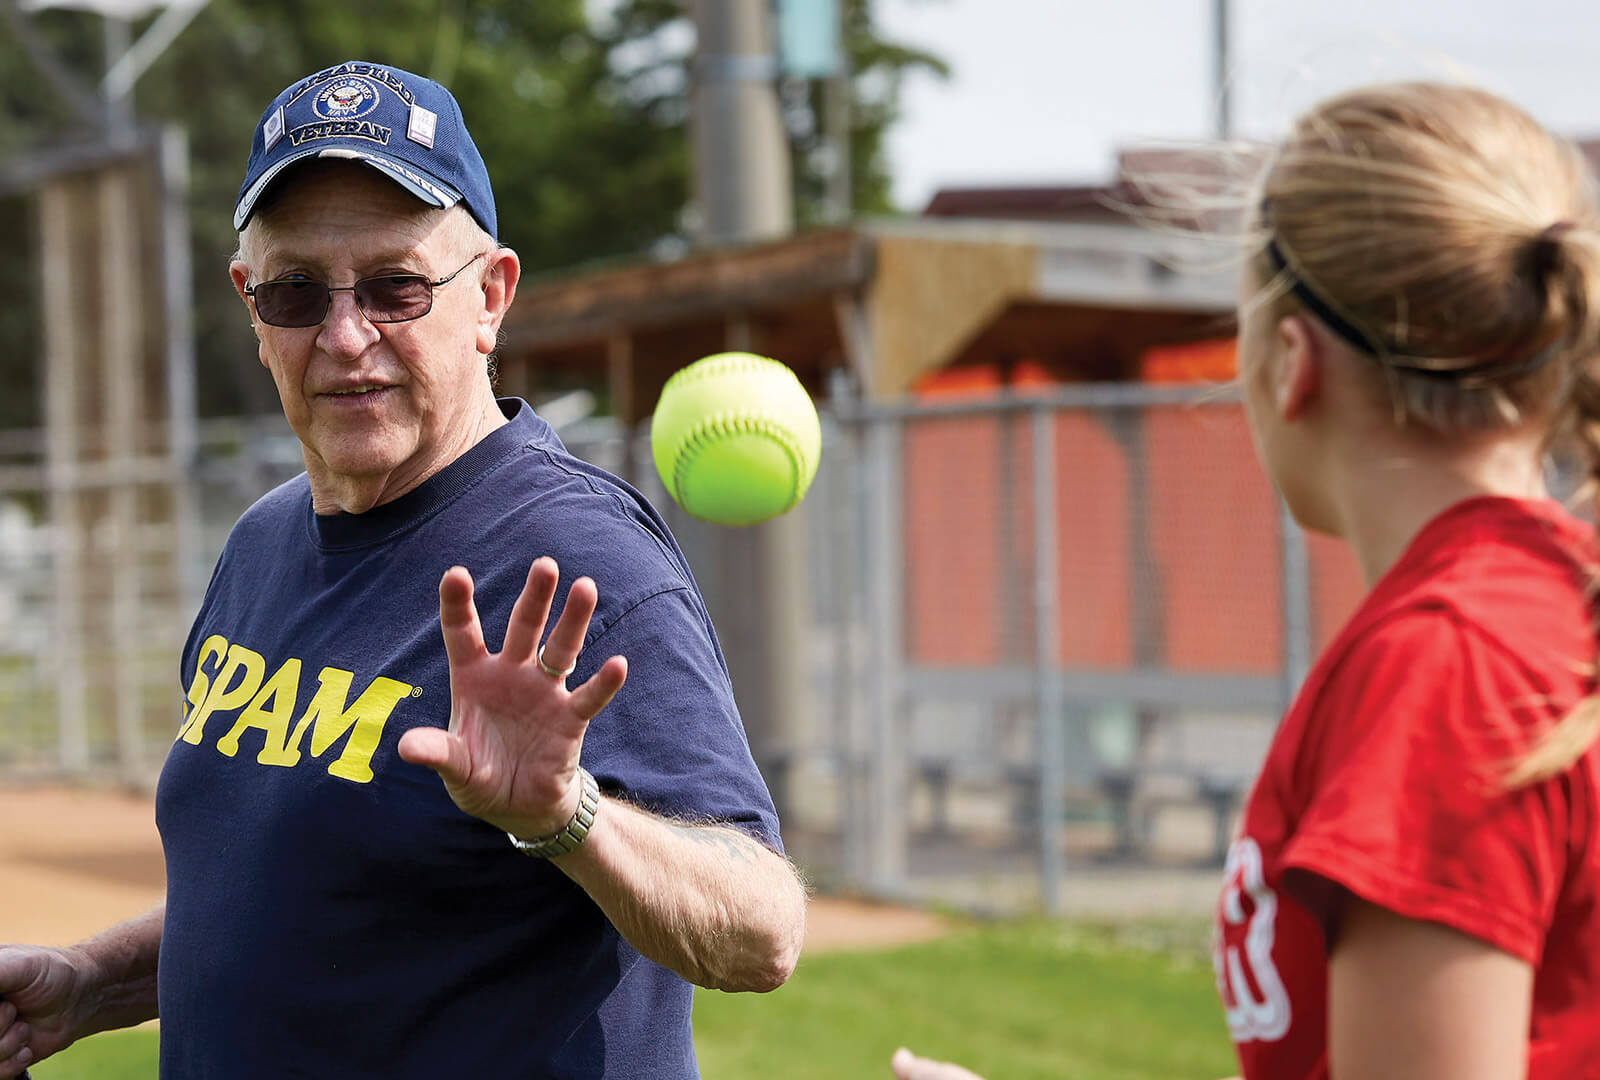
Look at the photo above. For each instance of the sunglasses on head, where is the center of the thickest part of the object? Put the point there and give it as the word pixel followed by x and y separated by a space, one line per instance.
pixel 385 298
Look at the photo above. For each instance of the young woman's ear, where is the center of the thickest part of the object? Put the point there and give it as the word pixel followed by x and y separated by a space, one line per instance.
pixel 1296 378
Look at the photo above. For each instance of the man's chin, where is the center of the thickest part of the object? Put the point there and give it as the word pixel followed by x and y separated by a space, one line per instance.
pixel 356 462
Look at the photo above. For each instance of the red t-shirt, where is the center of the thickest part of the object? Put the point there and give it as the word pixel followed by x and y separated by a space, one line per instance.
pixel 1383 779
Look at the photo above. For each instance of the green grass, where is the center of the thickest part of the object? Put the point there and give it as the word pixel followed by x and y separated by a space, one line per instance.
pixel 116 1055
pixel 1014 1002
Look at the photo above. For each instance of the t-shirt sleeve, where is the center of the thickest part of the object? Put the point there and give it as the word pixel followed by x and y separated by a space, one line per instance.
pixel 1406 807
pixel 671 741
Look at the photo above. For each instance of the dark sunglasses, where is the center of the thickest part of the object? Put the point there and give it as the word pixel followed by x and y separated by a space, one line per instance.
pixel 386 298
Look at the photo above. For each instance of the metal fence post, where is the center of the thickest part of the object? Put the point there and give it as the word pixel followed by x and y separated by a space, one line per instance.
pixel 1047 660
pixel 120 376
pixel 63 342
pixel 183 438
pixel 886 822
pixel 1296 603
pixel 847 526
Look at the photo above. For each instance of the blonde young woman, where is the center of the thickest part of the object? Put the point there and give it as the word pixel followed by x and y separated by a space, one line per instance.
pixel 1415 891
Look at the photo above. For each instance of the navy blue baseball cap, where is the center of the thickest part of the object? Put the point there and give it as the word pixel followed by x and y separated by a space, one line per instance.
pixel 407 127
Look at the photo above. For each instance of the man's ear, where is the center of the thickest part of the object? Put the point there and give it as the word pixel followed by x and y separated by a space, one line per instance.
pixel 499 289
pixel 240 273
pixel 1297 377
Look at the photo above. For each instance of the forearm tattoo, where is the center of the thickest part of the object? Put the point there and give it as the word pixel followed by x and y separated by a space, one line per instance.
pixel 732 844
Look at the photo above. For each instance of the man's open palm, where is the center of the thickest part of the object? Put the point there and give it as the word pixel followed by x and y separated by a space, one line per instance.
pixel 510 755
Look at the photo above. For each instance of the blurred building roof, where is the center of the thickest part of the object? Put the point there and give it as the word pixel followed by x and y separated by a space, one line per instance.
pixel 1046 203
pixel 1139 173
pixel 1059 278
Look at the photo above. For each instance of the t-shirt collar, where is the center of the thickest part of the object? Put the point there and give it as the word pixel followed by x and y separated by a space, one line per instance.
pixel 386 520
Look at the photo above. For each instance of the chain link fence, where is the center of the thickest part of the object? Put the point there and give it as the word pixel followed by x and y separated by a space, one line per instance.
pixel 1048 638
pixel 100 574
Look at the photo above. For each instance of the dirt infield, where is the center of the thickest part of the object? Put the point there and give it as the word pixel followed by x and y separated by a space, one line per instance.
pixel 75 861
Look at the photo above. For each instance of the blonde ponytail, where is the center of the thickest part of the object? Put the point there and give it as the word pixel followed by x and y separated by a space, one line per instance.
pixel 1571 263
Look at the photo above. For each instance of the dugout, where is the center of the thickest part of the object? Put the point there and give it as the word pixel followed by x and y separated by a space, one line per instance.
pixel 1202 590
pixel 872 314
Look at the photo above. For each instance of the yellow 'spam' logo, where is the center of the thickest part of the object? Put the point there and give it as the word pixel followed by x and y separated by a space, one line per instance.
pixel 237 680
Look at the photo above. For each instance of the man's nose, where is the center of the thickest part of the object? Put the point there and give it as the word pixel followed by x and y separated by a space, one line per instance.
pixel 345 330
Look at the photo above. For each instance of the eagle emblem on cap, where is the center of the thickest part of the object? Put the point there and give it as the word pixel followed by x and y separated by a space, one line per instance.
pixel 346 99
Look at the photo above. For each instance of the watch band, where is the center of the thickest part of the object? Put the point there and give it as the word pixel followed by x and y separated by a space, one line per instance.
pixel 576 831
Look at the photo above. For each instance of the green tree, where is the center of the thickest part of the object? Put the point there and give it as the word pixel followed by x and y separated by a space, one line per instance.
pixel 582 126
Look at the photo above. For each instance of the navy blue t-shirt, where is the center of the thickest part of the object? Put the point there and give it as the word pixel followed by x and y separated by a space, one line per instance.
pixel 330 913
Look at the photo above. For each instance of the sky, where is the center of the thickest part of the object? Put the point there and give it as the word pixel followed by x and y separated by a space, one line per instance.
pixel 1046 91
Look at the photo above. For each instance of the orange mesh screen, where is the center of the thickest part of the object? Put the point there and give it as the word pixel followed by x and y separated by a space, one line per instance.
pixel 953 534
pixel 1092 566
pixel 958 382
pixel 1197 361
pixel 1208 550
pixel 1214 532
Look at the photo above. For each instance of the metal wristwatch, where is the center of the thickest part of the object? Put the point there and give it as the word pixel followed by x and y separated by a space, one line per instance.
pixel 569 838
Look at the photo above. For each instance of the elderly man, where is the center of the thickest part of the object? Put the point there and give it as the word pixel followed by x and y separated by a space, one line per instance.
pixel 391 858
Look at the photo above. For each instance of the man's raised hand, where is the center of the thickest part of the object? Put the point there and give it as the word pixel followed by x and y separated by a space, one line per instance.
pixel 510 755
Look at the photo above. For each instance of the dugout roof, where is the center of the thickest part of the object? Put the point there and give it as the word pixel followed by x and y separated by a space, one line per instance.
pixel 881 303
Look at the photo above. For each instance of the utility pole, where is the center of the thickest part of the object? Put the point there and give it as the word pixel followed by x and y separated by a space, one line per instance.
pixel 836 96
pixel 813 52
pixel 741 153
pixel 1222 62
pixel 759 594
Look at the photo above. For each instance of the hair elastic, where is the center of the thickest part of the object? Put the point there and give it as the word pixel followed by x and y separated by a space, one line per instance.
pixel 1544 252
pixel 1376 347
pixel 1553 231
